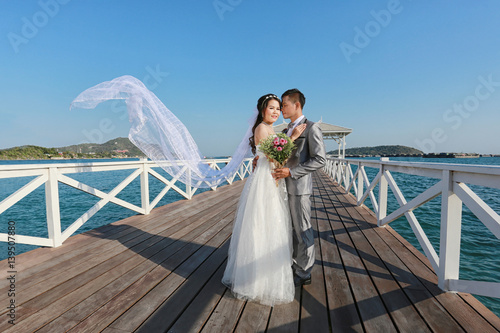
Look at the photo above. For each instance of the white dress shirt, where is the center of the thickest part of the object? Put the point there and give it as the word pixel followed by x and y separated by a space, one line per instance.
pixel 295 123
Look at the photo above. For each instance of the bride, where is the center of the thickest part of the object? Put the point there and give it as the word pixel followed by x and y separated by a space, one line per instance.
pixel 260 253
pixel 259 259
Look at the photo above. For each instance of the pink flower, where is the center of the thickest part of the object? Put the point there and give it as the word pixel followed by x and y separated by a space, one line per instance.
pixel 276 141
pixel 283 141
pixel 279 149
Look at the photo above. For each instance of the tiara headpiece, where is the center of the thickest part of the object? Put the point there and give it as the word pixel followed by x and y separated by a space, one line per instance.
pixel 269 96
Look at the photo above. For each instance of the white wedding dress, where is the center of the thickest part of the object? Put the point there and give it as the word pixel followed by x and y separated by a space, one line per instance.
pixel 259 266
pixel 259 263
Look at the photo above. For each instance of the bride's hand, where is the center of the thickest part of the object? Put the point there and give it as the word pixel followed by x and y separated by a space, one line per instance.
pixel 297 131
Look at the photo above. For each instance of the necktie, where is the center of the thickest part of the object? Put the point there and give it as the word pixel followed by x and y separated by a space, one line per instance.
pixel 290 125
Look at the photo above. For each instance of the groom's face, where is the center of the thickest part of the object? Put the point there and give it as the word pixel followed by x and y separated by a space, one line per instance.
pixel 289 108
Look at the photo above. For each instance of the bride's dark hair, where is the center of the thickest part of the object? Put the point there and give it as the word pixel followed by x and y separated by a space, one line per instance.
pixel 261 106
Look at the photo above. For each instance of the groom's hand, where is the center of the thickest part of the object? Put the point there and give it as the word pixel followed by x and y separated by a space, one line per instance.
pixel 281 173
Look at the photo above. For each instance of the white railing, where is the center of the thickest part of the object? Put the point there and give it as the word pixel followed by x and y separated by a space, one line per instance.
pixel 52 174
pixel 454 192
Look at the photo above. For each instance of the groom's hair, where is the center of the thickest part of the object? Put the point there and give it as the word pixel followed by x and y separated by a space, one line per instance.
pixel 295 96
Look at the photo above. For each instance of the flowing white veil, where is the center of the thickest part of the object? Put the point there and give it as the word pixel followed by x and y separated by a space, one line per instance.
pixel 159 134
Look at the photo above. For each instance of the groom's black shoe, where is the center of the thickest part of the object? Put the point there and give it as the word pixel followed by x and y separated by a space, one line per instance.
pixel 298 281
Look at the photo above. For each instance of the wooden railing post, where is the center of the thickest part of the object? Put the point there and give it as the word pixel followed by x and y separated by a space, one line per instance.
pixel 330 168
pixel 52 208
pixel 343 170
pixel 338 172
pixel 189 191
pixel 451 227
pixel 145 188
pixel 334 170
pixel 382 194
pixel 360 183
pixel 229 180
pixel 347 175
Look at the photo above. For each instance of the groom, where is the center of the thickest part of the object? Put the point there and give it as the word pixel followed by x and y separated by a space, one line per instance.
pixel 306 158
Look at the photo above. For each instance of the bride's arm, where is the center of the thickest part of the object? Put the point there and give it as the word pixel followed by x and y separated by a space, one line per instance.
pixel 258 136
pixel 261 133
pixel 297 131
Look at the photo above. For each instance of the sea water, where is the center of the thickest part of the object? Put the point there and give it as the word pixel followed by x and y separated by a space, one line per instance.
pixel 480 249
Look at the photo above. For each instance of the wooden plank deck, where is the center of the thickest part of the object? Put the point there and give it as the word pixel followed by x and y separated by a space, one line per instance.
pixel 161 272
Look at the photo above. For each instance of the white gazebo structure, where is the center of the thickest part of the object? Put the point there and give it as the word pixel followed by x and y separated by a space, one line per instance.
pixel 330 132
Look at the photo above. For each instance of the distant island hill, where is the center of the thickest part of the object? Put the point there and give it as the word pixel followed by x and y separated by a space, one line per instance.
pixel 116 148
pixel 401 151
pixel 123 148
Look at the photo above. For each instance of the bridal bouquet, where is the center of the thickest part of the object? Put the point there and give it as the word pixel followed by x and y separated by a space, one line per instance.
pixel 277 148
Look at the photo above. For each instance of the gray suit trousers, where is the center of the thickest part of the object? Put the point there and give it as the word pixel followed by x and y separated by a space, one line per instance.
pixel 303 235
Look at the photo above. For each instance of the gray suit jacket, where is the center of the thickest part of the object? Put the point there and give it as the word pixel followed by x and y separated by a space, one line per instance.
pixel 307 157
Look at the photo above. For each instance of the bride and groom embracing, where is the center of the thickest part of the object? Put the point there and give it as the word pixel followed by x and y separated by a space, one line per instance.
pixel 272 244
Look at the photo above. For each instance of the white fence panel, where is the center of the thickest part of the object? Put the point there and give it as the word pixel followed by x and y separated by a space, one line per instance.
pixel 454 194
pixel 53 174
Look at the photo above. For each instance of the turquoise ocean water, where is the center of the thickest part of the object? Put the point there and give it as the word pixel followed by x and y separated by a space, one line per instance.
pixel 480 256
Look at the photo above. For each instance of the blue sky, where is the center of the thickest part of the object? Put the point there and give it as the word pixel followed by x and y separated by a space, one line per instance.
pixel 424 74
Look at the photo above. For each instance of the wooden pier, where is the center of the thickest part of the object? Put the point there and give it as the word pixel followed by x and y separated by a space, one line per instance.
pixel 161 272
